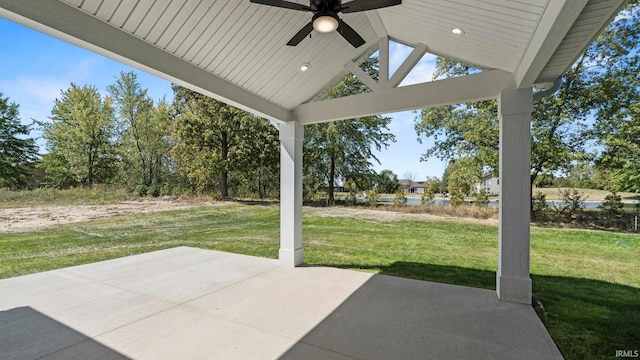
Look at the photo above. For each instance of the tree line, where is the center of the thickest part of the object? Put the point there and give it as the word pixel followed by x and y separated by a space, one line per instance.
pixel 589 128
pixel 191 145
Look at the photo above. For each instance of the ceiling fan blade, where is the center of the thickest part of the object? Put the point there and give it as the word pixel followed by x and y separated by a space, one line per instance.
pixel 364 5
pixel 349 34
pixel 282 4
pixel 297 38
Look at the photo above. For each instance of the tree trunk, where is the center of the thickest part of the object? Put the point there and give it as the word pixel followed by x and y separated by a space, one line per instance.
pixel 224 186
pixel 150 172
pixel 90 170
pixel 332 174
pixel 224 176
pixel 261 194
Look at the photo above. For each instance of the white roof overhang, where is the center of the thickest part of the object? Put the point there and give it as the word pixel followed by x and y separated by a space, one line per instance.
pixel 235 51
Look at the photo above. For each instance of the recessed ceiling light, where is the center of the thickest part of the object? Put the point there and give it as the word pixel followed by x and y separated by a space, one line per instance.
pixel 304 67
pixel 457 31
pixel 544 86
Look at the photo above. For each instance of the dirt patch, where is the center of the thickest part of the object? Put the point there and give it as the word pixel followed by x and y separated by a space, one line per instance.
pixel 35 218
pixel 385 215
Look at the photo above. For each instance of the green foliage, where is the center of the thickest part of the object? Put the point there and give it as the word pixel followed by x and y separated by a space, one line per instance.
pixel 472 130
pixel 456 198
pixel 260 174
pixel 17 151
pixel 372 198
pixel 604 79
pixel 387 182
pixel 434 185
pixel 351 199
pixel 615 57
pixel 481 198
pixel 540 207
pixel 572 207
pixel 545 181
pixel 215 142
pixel 464 174
pixel 400 198
pixel 427 196
pixel 143 131
pixel 612 209
pixel 80 139
pixel 344 149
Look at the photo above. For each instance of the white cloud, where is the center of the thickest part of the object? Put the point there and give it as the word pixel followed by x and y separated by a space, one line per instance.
pixel 397 54
pixel 422 72
pixel 36 89
pixel 34 95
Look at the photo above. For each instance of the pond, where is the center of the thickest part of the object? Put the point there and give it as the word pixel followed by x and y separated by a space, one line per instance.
pixel 492 203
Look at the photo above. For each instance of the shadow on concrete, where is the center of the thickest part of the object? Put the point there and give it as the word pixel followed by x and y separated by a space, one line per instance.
pixel 27 334
pixel 586 318
pixel 394 318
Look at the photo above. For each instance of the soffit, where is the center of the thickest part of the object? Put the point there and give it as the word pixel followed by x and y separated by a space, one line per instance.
pixel 235 50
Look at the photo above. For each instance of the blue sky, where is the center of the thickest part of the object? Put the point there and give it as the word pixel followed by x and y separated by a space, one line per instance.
pixel 36 68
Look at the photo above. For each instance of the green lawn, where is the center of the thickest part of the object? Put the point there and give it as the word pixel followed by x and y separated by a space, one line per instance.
pixel 586 283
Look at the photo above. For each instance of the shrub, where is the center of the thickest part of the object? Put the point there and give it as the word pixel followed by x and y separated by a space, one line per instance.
pixel 351 198
pixel 539 206
pixel 142 190
pixel 612 209
pixel 573 205
pixel 427 197
pixel 457 198
pixel 372 198
pixel 481 198
pixel 400 198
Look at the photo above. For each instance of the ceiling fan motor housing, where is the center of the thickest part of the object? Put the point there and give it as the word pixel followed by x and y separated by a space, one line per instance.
pixel 325 5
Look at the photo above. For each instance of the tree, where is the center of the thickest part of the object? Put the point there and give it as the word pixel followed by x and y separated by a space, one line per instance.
pixel 214 139
pixel 581 174
pixel 17 151
pixel 261 174
pixel 410 175
pixel 80 148
pixel 617 97
pixel 344 149
pixel 387 182
pixel 143 130
pixel 433 184
pixel 464 173
pixel 472 130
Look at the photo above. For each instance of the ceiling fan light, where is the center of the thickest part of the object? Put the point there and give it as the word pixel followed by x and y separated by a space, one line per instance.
pixel 325 23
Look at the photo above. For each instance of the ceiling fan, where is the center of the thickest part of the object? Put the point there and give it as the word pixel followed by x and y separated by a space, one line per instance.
pixel 325 16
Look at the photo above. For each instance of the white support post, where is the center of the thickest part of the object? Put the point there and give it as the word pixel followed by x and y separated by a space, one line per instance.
pixel 513 282
pixel 291 136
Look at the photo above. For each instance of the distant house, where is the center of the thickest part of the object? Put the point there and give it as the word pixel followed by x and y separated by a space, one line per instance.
pixel 489 183
pixel 412 187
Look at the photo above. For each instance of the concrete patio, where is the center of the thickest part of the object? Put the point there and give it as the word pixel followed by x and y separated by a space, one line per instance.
pixel 186 303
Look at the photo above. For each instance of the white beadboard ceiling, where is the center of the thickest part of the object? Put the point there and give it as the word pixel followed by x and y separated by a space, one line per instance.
pixel 235 50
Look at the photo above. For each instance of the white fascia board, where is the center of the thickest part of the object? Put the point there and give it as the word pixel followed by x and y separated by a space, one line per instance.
pixel 383 56
pixel 407 65
pixel 557 19
pixel 79 28
pixel 362 75
pixel 376 23
pixel 476 87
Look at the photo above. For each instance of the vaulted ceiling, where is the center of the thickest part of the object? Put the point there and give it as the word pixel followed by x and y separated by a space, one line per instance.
pixel 236 51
